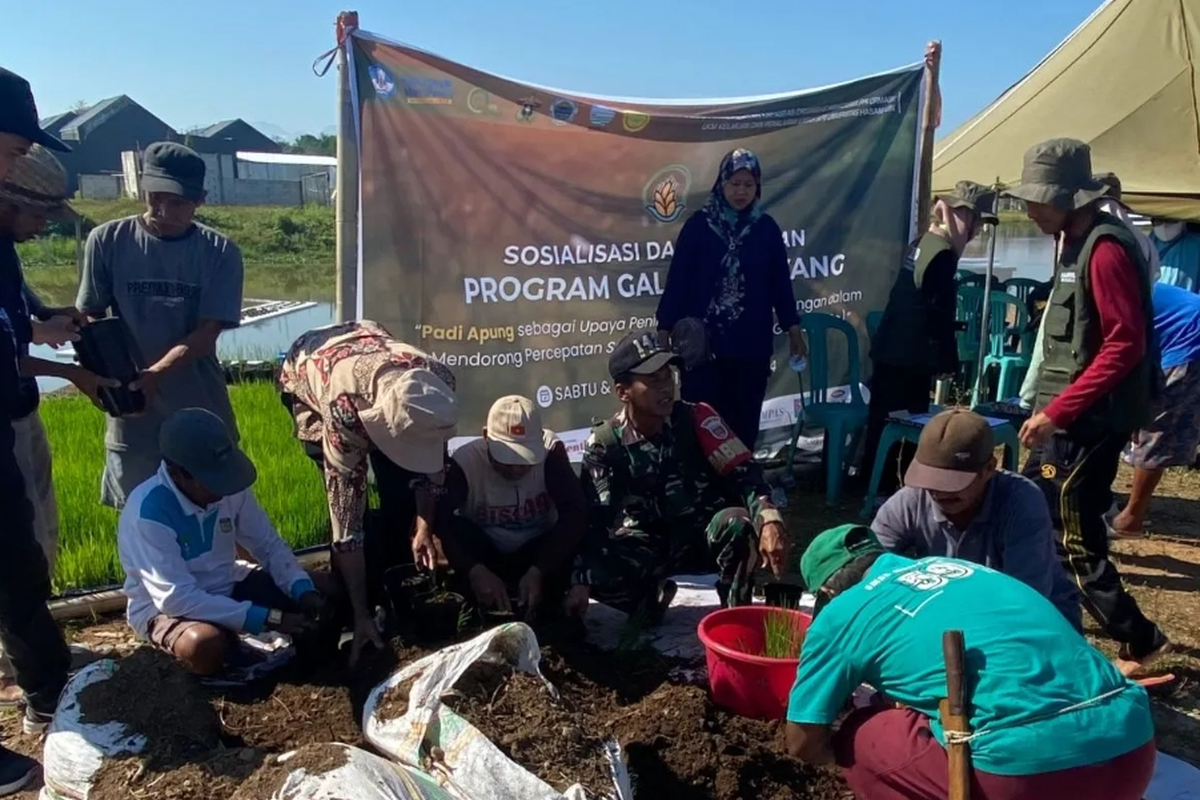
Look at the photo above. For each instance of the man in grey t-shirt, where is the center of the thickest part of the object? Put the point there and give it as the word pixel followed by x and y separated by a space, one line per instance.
pixel 955 503
pixel 176 284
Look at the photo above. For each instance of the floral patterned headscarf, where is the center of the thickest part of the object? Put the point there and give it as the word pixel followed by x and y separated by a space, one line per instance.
pixel 731 226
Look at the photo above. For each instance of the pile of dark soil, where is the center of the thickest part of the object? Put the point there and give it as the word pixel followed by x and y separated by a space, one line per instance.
pixel 558 742
pixel 222 745
pixel 149 694
pixel 394 702
pixel 203 744
pixel 314 759
pixel 677 744
pixel 216 775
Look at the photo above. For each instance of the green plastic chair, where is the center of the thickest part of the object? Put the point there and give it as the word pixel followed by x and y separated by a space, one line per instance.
pixel 1021 288
pixel 1011 363
pixel 968 311
pixel 840 420
pixel 966 277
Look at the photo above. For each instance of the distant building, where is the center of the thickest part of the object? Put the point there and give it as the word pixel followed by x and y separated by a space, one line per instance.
pixel 230 137
pixel 97 135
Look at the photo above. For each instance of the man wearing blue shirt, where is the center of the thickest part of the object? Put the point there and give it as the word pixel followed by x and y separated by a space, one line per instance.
pixel 1179 251
pixel 1171 438
pixel 1050 716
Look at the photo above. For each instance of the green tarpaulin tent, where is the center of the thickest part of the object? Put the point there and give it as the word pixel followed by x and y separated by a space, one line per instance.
pixel 1124 81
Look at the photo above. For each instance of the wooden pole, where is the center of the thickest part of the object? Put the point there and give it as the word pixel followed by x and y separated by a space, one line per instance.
pixel 930 119
pixel 346 202
pixel 955 716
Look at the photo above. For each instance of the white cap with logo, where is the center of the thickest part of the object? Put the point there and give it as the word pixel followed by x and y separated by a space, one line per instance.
pixel 515 434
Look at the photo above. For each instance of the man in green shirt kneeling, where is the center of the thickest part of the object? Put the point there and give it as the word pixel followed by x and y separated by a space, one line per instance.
pixel 1049 715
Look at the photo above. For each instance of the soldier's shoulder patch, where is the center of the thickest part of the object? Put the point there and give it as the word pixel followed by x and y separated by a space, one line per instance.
pixel 720 446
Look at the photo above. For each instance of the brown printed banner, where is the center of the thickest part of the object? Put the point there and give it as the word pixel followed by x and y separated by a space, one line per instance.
pixel 518 232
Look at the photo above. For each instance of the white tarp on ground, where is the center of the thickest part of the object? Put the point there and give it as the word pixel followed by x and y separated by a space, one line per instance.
pixel 364 776
pixel 480 770
pixel 1173 779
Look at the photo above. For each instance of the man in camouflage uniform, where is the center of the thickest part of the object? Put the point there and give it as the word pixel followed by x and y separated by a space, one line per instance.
pixel 671 490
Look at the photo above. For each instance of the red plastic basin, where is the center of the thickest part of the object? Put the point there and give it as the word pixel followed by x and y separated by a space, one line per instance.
pixel 740 680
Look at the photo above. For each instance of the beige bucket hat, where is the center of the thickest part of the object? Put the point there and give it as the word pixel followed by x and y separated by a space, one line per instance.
pixel 411 421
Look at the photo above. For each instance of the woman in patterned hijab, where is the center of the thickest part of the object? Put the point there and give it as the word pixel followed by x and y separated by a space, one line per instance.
pixel 729 281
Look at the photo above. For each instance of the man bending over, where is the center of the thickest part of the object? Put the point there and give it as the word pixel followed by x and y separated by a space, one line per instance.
pixel 955 503
pixel 1049 716
pixel 513 514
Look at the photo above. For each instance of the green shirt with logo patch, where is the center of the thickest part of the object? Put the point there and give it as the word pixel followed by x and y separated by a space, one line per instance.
pixel 1040 697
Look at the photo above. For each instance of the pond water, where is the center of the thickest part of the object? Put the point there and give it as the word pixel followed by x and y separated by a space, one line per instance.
pixel 1020 247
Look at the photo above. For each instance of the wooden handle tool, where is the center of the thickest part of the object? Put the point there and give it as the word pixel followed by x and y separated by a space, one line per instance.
pixel 955 715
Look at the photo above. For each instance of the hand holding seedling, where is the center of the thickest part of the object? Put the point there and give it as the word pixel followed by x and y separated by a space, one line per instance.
pixel 772 546
pixel 489 589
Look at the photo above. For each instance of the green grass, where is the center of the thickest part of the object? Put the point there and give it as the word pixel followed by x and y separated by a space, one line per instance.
pixel 289 253
pixel 289 487
pixel 783 635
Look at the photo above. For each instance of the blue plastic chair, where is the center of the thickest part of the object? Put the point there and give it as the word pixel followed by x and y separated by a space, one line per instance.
pixel 909 430
pixel 1011 363
pixel 839 419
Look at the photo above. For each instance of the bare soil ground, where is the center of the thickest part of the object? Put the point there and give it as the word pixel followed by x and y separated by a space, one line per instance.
pixel 677 743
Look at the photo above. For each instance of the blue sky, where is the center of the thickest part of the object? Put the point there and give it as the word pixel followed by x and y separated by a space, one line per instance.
pixel 217 59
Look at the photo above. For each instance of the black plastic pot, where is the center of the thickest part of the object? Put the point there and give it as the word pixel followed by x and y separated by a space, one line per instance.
pixel 107 348
pixel 435 615
pixel 403 583
pixel 783 595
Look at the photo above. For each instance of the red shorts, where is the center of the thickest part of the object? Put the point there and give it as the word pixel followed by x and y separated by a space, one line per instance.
pixel 892 754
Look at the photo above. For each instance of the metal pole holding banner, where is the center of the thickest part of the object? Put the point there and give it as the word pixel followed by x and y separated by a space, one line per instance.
pixel 985 312
pixel 346 202
pixel 930 119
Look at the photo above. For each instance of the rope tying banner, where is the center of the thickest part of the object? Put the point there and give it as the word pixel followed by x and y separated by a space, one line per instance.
pixel 347 24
